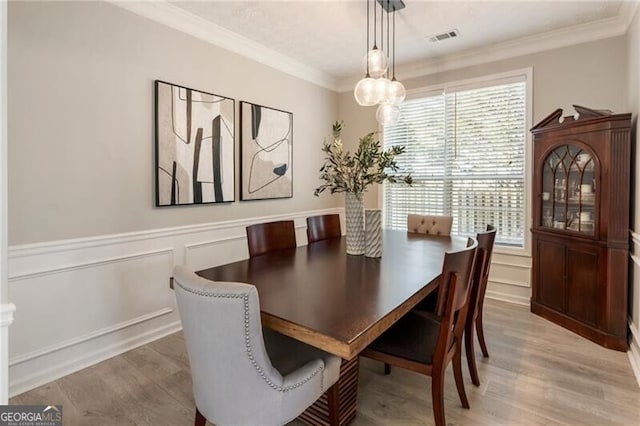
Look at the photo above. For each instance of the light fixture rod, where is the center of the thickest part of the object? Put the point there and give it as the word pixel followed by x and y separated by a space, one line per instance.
pixel 367 50
pixel 388 44
pixel 393 61
pixel 375 46
pixel 382 31
pixel 391 5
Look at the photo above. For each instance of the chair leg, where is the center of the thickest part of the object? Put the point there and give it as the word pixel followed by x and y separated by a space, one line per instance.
pixel 480 331
pixel 457 374
pixel 437 397
pixel 387 369
pixel 333 404
pixel 471 355
pixel 199 420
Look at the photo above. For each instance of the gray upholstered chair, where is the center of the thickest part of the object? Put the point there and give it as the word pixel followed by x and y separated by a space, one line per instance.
pixel 432 225
pixel 242 374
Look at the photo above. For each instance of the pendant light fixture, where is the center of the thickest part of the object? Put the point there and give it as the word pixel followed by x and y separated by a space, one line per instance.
pixel 364 91
pixel 377 63
pixel 375 87
pixel 396 91
pixel 382 83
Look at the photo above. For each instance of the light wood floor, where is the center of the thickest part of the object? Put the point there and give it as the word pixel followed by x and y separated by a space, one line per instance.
pixel 538 374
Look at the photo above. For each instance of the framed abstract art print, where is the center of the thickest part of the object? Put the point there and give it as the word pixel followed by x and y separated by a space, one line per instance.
pixel 195 161
pixel 266 139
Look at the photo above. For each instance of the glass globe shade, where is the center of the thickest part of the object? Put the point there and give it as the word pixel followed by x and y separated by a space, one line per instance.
pixel 365 93
pixel 387 113
pixel 380 89
pixel 376 62
pixel 395 92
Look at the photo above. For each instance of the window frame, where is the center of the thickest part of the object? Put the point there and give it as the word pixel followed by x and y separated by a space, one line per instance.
pixel 485 81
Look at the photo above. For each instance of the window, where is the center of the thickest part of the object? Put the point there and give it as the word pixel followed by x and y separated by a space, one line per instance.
pixel 466 152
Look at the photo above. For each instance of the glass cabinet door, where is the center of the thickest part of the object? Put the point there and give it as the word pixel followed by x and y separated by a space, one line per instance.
pixel 568 190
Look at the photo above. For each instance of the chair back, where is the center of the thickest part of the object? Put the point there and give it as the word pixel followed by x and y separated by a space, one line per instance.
pixel 323 227
pixel 223 335
pixel 457 271
pixel 486 242
pixel 432 225
pixel 267 237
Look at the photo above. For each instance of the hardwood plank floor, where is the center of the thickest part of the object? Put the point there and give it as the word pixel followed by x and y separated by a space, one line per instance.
pixel 538 374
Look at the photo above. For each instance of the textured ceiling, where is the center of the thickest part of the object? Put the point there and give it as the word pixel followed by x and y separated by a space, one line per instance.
pixel 331 35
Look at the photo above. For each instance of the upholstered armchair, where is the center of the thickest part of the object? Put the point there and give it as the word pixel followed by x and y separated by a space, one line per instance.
pixel 240 375
pixel 432 225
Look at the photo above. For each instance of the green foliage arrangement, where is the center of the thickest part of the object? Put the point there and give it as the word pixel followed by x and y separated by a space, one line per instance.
pixel 346 172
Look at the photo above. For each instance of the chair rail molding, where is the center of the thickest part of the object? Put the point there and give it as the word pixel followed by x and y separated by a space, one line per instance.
pixel 113 290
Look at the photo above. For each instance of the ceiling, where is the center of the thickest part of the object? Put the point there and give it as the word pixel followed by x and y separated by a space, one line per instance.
pixel 329 37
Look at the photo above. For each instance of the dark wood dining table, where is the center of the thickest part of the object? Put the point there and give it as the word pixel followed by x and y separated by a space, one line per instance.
pixel 340 303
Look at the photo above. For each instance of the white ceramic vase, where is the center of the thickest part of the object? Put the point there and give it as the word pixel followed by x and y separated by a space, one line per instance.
pixel 373 232
pixel 354 217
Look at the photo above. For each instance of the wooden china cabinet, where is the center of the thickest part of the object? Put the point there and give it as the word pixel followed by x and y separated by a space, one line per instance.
pixel 581 223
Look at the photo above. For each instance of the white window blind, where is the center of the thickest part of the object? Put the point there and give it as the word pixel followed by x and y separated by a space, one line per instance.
pixel 466 152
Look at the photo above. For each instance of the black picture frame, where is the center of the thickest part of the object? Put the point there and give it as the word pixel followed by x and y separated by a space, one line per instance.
pixel 194 146
pixel 266 152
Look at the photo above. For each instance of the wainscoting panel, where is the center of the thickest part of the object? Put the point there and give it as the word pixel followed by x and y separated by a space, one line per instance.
pixel 81 301
pixel 510 278
pixel 214 252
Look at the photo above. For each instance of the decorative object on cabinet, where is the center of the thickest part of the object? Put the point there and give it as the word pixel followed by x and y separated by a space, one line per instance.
pixel 581 223
pixel 194 146
pixel 266 138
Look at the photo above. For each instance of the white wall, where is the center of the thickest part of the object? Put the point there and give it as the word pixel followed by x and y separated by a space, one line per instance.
pixel 89 255
pixel 81 109
pixel 590 74
pixel 633 52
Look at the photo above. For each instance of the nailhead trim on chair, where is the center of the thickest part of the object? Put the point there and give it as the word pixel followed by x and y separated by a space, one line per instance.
pixel 247 340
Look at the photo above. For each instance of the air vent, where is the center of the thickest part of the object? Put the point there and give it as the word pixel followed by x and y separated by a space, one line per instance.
pixel 444 36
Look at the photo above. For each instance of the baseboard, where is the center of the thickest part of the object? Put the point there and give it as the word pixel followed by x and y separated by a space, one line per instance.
pixel 6 318
pixel 507 297
pixel 42 376
pixel 634 350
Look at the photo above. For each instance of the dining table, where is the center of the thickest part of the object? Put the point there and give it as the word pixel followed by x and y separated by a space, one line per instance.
pixel 340 303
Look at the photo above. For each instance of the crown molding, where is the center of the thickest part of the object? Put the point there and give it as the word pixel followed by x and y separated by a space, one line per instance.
pixel 172 16
pixel 564 37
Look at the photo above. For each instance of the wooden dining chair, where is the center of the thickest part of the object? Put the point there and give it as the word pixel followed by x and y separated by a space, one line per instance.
pixel 486 242
pixel 427 342
pixel 474 323
pixel 323 227
pixel 267 237
pixel 432 225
